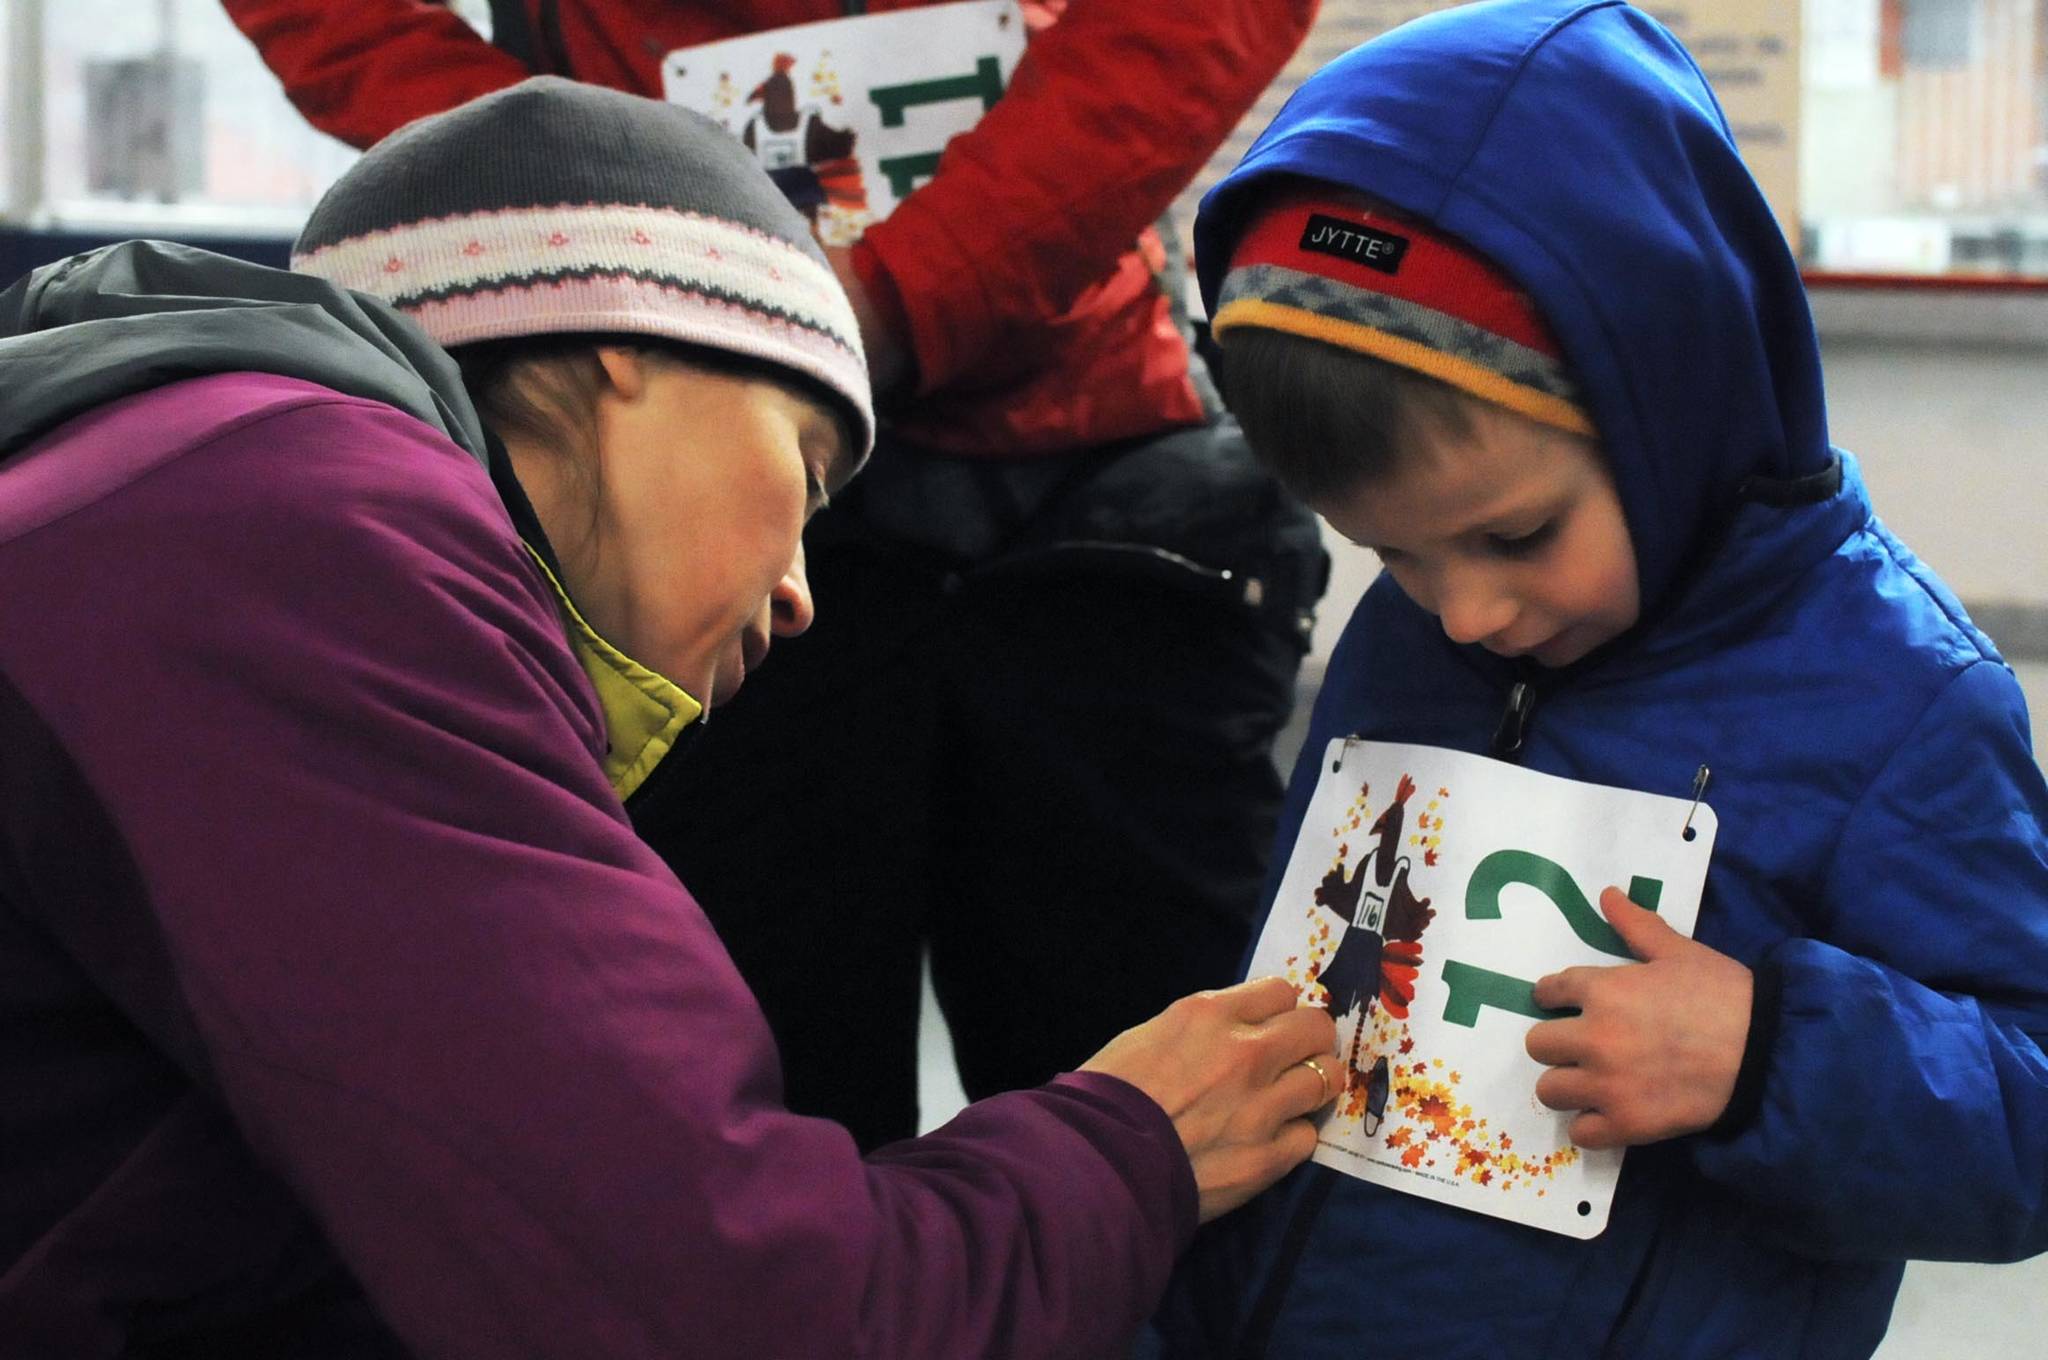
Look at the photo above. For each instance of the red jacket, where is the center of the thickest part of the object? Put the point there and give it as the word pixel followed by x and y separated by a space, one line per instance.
pixel 1034 318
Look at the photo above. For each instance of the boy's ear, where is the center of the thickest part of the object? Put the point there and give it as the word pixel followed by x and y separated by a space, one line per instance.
pixel 624 369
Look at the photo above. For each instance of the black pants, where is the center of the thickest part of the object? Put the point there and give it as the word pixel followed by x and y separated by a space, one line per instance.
pixel 1052 769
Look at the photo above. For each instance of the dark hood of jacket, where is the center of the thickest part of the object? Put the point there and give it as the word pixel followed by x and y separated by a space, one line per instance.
pixel 1577 145
pixel 96 327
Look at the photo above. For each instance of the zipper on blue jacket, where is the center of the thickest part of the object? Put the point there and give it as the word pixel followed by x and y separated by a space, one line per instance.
pixel 1514 721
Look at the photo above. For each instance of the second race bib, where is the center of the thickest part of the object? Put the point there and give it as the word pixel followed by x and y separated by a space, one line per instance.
pixel 850 115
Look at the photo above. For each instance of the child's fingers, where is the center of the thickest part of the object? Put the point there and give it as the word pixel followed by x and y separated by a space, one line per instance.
pixel 1595 1130
pixel 1648 935
pixel 1566 1088
pixel 1566 990
pixel 1555 1043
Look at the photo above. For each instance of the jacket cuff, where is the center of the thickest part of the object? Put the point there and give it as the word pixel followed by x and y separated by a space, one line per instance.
pixel 1766 1006
pixel 1145 1112
pixel 939 287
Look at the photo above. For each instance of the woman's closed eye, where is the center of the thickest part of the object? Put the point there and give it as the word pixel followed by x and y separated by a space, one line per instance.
pixel 817 494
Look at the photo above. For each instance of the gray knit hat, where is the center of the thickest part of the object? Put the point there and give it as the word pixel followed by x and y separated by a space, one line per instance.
pixel 555 207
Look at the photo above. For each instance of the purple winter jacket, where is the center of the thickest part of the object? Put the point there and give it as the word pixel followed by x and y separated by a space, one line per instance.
pixel 341 1012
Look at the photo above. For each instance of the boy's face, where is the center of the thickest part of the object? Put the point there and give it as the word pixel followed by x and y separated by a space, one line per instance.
pixel 1510 533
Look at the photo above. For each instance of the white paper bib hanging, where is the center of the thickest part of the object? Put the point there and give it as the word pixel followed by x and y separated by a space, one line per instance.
pixel 1426 893
pixel 849 115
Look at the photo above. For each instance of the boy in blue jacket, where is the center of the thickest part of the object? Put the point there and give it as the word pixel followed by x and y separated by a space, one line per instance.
pixel 1496 295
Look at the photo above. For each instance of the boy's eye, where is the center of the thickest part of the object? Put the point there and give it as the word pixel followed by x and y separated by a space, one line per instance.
pixel 1523 545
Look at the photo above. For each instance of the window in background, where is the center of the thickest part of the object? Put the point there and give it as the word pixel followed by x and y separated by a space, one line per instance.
pixel 1896 137
pixel 1924 134
pixel 158 115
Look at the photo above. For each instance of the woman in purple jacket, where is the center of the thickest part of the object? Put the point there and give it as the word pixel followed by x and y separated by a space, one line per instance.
pixel 341 1013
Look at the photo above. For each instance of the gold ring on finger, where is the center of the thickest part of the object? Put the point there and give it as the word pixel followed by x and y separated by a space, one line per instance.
pixel 1324 1077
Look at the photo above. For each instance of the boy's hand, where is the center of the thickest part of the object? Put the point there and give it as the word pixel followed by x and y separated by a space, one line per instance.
pixel 1656 1045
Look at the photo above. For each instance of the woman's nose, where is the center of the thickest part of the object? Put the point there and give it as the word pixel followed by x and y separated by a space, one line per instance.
pixel 790 607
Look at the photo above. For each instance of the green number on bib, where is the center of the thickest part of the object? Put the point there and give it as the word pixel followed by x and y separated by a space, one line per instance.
pixel 1472 988
pixel 985 84
pixel 903 172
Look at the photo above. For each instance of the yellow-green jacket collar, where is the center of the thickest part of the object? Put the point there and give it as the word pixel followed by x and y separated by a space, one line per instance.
pixel 644 712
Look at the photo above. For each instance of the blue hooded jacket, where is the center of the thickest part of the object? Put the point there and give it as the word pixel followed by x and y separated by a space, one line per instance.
pixel 1881 862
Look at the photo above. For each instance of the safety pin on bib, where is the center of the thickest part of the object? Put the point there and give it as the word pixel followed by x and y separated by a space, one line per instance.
pixel 1699 790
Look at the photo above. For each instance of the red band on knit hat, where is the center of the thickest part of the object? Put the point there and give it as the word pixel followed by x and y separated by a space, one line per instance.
pixel 1434 270
pixel 1402 291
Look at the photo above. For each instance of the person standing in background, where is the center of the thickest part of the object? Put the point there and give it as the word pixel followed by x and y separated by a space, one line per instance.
pixel 1060 617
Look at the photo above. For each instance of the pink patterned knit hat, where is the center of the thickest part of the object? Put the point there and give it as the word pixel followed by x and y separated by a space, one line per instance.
pixel 555 207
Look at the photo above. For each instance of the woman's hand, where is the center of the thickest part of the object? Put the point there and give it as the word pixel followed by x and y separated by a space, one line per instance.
pixel 1231 1069
pixel 1656 1045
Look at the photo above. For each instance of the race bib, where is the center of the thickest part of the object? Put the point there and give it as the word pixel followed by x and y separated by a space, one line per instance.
pixel 1426 893
pixel 850 115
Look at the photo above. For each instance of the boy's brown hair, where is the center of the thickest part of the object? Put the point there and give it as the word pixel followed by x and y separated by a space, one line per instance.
pixel 1328 420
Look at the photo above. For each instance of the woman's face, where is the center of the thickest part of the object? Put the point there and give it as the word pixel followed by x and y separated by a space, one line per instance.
pixel 693 559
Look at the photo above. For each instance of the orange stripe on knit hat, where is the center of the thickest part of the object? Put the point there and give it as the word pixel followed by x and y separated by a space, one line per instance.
pixel 1383 284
